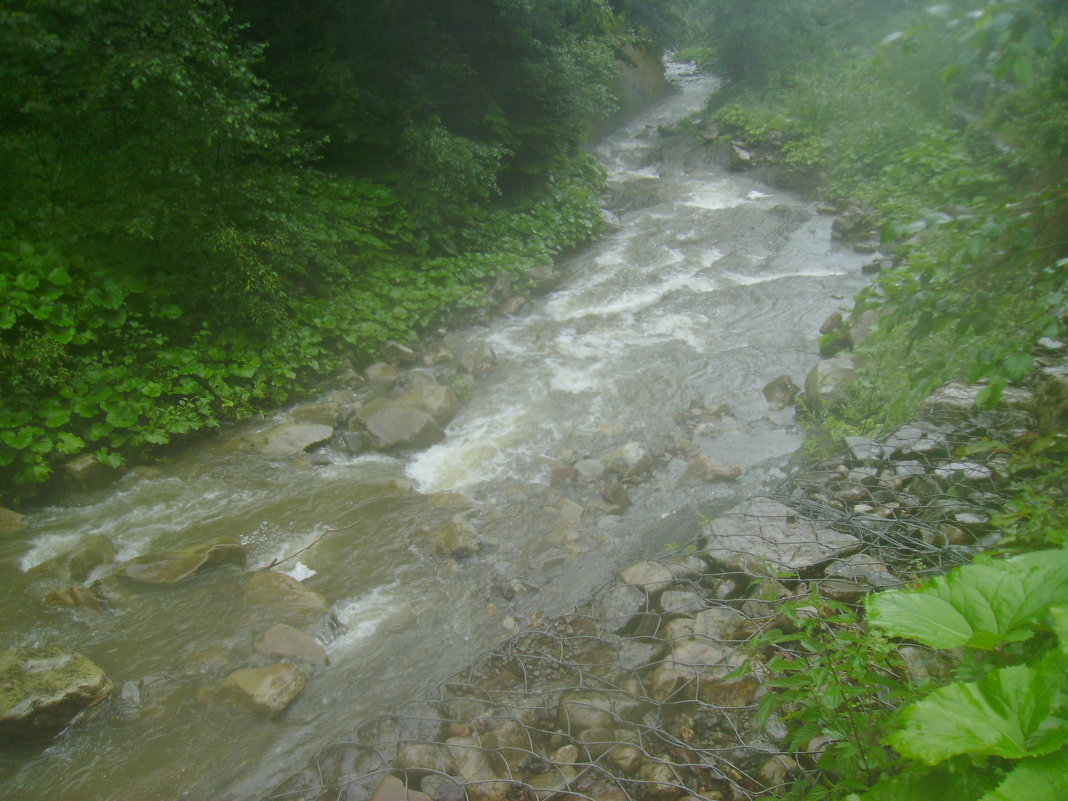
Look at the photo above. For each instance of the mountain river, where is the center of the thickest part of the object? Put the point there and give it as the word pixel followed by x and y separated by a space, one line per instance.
pixel 715 285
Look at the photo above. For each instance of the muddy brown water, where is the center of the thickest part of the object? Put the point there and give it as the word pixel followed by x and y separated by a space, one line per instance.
pixel 715 286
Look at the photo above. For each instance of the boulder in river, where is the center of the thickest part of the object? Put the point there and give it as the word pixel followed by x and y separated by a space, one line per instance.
pixel 283 596
pixel 74 597
pixel 389 424
pixel 323 413
pixel 479 358
pixel 79 561
pixel 170 567
pixel 290 439
pixel 285 642
pixel 266 691
pixel 438 401
pixel 43 689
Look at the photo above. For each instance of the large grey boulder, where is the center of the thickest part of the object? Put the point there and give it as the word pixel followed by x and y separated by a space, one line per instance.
pixel 767 530
pixel 390 425
pixel 289 439
pixel 43 689
pixel 170 567
pixel 438 401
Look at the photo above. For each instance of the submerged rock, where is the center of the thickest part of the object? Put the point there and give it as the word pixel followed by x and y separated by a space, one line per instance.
pixel 80 560
pixel 457 539
pixel 11 520
pixel 74 597
pixel 170 567
pixel 389 424
pixel 285 642
pixel 284 596
pixel 266 691
pixel 43 689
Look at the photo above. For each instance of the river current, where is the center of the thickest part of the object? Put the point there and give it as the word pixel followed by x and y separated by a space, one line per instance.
pixel 715 285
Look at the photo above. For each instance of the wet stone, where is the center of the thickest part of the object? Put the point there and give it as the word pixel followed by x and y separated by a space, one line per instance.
pixel 442 788
pixel 393 789
pixel 170 567
pixel 290 439
pixel 704 468
pixel 285 642
pixel 267 691
pixel 74 597
pixel 43 689
pixel 681 602
pixel 11 520
pixel 283 596
pixel 652 577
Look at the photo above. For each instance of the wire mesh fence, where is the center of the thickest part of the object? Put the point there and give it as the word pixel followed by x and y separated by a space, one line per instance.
pixel 651 689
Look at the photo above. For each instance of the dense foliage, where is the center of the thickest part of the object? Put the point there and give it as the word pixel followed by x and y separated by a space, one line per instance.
pixel 206 204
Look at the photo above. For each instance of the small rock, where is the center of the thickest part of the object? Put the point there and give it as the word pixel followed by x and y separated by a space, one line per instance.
pixel 704 468
pixel 652 577
pixel 266 691
pixel 457 539
pixel 396 353
pixel 778 771
pixel 627 758
pixel 681 602
pixel 471 764
pixel 443 788
pixel 285 642
pixel 423 757
pixel 393 789
pixel 580 710
pixel 662 783
pixel 381 372
pixel 781 392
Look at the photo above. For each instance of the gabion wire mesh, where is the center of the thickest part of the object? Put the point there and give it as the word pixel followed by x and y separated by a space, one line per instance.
pixel 649 689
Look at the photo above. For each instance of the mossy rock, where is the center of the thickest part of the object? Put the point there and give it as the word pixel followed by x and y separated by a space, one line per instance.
pixel 43 689
pixel 170 567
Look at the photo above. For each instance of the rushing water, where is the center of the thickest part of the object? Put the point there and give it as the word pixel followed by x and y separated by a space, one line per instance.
pixel 713 288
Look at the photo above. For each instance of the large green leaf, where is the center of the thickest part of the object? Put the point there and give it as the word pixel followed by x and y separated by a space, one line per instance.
pixel 1008 713
pixel 953 781
pixel 1042 779
pixel 979 605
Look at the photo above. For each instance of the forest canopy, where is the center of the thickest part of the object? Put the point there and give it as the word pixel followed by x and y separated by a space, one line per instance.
pixel 206 203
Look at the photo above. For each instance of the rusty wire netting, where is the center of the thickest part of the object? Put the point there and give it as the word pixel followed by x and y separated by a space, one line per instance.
pixel 650 688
